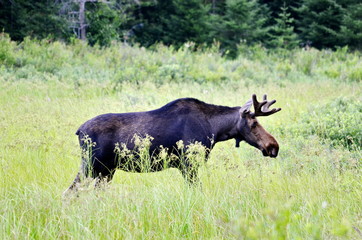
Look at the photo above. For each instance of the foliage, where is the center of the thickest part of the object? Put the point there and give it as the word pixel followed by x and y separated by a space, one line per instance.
pixel 115 64
pixel 7 50
pixel 48 89
pixel 310 191
pixel 320 22
pixel 338 121
pixel 275 6
pixel 352 25
pixel 109 21
pixel 104 24
pixel 173 22
pixel 323 23
pixel 243 21
pixel 38 19
pixel 282 34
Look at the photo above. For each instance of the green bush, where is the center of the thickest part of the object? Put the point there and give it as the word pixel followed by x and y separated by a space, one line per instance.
pixel 355 74
pixel 118 63
pixel 7 50
pixel 338 121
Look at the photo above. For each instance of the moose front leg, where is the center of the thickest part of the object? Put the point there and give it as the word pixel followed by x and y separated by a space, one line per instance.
pixel 190 174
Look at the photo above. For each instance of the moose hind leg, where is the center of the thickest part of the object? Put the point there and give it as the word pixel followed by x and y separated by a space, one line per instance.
pixel 84 172
pixel 104 177
pixel 74 185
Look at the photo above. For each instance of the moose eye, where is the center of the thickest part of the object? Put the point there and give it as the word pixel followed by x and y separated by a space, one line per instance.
pixel 254 124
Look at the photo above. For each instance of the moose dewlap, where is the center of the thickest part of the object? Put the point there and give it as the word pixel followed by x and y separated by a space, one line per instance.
pixel 161 138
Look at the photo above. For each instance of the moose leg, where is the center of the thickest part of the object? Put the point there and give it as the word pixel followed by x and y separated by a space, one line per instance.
pixel 100 177
pixel 74 184
pixel 103 170
pixel 189 172
pixel 191 177
pixel 104 177
pixel 84 172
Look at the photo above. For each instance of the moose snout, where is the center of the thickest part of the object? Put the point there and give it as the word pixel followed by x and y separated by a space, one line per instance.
pixel 274 152
pixel 271 151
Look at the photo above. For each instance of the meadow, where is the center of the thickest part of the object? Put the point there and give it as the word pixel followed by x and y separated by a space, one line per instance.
pixel 313 190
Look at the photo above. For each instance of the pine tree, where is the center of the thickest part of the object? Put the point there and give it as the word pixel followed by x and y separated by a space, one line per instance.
pixel 282 34
pixel 352 26
pixel 188 23
pixel 242 20
pixel 320 22
pixel 274 7
pixel 38 19
pixel 174 22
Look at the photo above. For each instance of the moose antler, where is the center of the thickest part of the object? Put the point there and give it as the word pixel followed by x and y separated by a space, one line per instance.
pixel 262 108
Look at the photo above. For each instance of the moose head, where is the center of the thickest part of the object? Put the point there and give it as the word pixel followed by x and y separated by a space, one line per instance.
pixel 252 132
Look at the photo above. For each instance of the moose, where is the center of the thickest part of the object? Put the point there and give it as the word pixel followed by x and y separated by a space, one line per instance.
pixel 186 119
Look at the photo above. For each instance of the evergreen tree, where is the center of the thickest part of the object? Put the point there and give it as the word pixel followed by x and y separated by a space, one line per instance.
pixel 188 23
pixel 39 19
pixel 282 34
pixel 153 18
pixel 320 22
pixel 216 6
pixel 352 26
pixel 275 6
pixel 174 22
pixel 326 23
pixel 243 20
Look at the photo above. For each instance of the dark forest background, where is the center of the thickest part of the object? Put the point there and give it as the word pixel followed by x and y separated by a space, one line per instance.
pixel 273 24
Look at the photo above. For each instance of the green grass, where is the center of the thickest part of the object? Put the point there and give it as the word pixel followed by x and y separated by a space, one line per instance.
pixel 313 190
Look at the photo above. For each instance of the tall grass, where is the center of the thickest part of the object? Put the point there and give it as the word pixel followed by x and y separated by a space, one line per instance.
pixel 311 191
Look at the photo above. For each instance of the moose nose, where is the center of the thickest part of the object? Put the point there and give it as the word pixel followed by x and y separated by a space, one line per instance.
pixel 273 154
pixel 273 151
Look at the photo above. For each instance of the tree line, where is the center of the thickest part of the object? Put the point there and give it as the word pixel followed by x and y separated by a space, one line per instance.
pixel 271 23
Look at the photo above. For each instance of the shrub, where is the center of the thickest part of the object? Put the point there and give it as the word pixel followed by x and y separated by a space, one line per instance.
pixel 338 121
pixel 120 63
pixel 7 50
pixel 355 74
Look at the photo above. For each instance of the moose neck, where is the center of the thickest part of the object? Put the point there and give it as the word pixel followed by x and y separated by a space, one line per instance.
pixel 224 126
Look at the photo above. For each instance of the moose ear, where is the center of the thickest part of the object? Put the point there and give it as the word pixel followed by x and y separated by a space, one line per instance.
pixel 246 107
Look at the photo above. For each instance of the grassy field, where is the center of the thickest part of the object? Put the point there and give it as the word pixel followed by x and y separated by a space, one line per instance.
pixel 313 190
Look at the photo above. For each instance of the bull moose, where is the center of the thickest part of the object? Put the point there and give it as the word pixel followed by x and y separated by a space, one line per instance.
pixel 186 119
